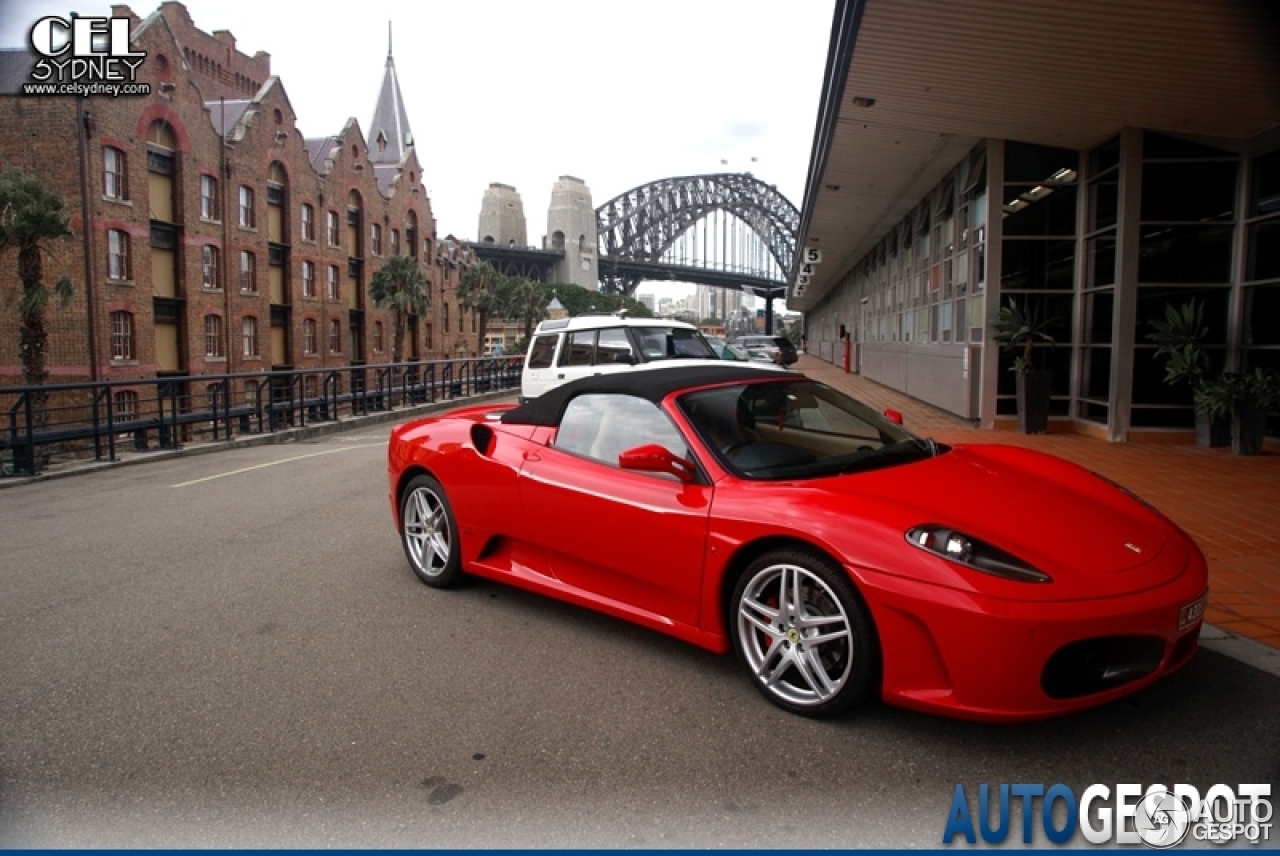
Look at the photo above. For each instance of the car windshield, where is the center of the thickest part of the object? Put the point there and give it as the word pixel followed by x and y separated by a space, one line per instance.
pixel 797 429
pixel 672 343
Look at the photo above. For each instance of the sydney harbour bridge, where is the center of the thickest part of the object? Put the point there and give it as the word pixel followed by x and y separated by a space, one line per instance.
pixel 728 230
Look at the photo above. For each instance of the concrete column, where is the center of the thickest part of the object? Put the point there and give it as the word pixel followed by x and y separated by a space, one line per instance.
pixel 989 359
pixel 1124 321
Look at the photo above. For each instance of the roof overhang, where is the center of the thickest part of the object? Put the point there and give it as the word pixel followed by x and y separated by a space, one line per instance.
pixel 911 86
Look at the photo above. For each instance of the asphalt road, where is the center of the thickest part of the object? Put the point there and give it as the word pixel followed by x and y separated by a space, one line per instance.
pixel 229 650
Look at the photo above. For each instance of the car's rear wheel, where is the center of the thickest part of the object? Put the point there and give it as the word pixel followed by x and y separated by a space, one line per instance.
pixel 805 635
pixel 429 533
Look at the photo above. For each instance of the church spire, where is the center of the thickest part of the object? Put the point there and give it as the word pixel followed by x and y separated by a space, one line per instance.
pixel 389 136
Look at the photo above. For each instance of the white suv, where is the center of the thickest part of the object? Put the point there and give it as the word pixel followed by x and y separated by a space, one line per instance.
pixel 566 349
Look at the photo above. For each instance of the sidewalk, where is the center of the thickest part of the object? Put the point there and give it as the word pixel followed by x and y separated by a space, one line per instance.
pixel 1229 504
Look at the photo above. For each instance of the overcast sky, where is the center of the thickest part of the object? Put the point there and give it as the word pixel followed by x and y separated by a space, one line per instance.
pixel 518 92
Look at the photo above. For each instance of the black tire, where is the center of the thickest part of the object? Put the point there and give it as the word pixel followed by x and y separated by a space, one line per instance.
pixel 817 654
pixel 429 533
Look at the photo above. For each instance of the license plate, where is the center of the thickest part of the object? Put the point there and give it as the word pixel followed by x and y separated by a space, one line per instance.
pixel 1192 612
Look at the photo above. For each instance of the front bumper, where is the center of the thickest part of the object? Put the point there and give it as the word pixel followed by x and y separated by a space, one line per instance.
pixel 984 658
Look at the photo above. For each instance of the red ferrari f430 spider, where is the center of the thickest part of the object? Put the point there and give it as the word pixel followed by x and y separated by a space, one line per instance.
pixel 839 556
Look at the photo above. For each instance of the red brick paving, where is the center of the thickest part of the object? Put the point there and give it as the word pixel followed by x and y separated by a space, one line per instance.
pixel 1228 503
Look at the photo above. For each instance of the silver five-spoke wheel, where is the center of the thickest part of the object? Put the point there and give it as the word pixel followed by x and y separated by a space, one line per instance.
pixel 429 533
pixel 803 632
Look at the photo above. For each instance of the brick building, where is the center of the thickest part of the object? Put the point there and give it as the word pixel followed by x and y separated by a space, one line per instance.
pixel 211 237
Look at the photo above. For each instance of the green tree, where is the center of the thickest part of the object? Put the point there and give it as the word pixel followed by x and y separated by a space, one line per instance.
pixel 526 300
pixel 480 291
pixel 400 285
pixel 31 216
pixel 581 301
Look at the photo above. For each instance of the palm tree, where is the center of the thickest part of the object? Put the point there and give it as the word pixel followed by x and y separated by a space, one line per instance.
pixel 400 285
pixel 478 290
pixel 526 300
pixel 31 215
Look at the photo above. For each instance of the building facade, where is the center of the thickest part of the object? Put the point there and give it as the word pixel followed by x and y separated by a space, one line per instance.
pixel 1097 179
pixel 211 236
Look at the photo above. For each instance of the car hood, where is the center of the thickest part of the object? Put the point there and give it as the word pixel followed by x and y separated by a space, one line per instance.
pixel 1093 538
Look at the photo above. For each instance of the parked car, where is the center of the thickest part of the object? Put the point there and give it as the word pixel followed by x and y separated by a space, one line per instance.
pixel 565 349
pixel 840 556
pixel 733 353
pixel 778 348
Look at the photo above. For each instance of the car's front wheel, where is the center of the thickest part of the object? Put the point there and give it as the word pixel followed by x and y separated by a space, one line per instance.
pixel 430 533
pixel 805 635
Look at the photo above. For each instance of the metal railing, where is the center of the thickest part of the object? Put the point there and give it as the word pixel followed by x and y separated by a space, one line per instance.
pixel 94 420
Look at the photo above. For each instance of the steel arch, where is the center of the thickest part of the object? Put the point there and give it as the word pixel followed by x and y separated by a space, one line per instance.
pixel 643 223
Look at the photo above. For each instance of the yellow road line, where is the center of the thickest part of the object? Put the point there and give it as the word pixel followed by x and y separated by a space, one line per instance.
pixel 273 463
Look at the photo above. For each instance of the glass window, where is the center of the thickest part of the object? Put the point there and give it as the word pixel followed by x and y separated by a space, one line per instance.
pixel 209 198
pixel 332 232
pixel 308 223
pixel 542 352
pixel 579 348
pixel 308 279
pixel 309 336
pixel 249 333
pixel 248 272
pixel 1185 253
pixel 1266 185
pixel 213 336
pixel 613 346
pixel 247 219
pixel 1038 265
pixel 1264 250
pixel 1261 311
pixel 126 405
pixel 1188 192
pixel 332 283
pixel 114 175
pixel 209 266
pixel 117 254
pixel 603 426
pixel 335 336
pixel 122 336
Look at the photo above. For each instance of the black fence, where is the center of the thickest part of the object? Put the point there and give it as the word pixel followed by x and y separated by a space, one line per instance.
pixel 77 421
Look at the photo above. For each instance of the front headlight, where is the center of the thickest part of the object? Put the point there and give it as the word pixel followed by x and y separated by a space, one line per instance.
pixel 969 551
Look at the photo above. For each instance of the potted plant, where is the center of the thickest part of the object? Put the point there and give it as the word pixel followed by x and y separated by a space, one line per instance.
pixel 1018 329
pixel 1180 336
pixel 1245 399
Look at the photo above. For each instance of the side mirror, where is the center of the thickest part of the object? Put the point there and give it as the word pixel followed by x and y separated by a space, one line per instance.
pixel 655 458
pixel 893 416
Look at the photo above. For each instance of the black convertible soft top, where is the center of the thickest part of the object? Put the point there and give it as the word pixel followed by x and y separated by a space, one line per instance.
pixel 652 384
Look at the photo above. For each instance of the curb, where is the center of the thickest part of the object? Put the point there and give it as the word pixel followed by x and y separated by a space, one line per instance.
pixel 1247 651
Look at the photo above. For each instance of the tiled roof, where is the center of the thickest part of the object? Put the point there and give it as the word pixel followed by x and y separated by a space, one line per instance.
pixel 319 150
pixel 389 135
pixel 225 114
